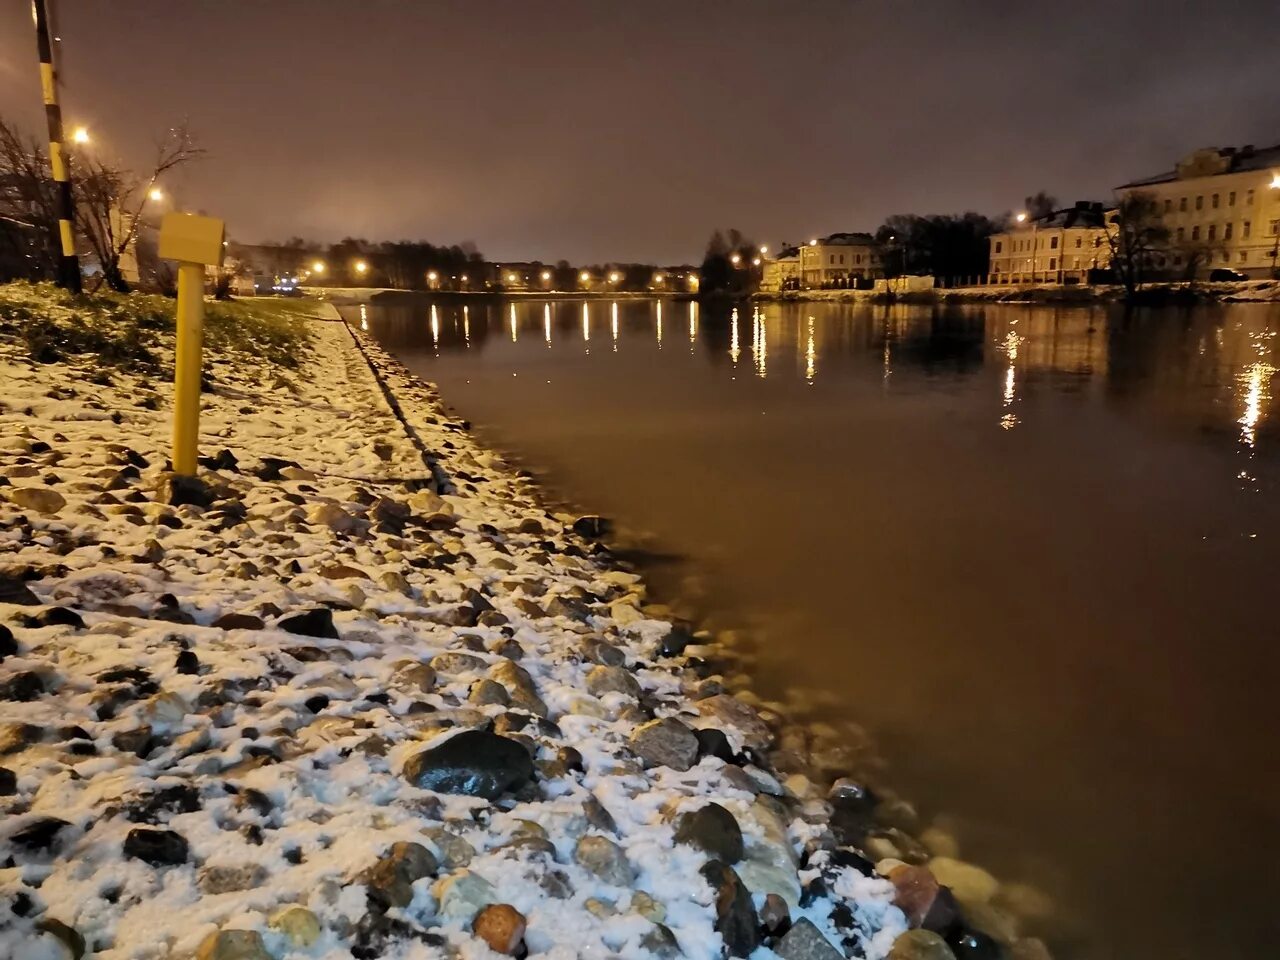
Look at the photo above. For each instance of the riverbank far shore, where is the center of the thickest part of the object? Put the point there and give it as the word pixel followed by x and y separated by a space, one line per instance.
pixel 1249 291
pixel 354 692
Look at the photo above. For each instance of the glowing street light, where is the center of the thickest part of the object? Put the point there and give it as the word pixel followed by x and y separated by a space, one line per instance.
pixel 318 266
pixel 613 278
pixel 511 278
pixel 155 194
pixel 1275 181
pixel 584 276
pixel 362 267
pixel 735 259
pixel 432 276
pixel 813 243
pixel 546 276
pixel 657 278
pixel 80 135
pixel 1021 218
pixel 755 261
pixel 764 250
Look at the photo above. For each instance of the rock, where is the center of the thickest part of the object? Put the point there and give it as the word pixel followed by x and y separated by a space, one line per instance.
pixel 156 847
pixel 70 937
pixel 736 919
pixel 178 490
pixel 605 859
pixel 341 571
pixel 44 500
pixel 920 945
pixel 334 517
pixel 648 907
pixel 605 679
pixel 13 589
pixel 314 623
pixel 17 736
pixel 804 942
pixel 241 621
pixel 214 880
pixel 187 663
pixel 520 686
pixel 233 945
pixel 22 687
pixel 417 677
pixel 486 692
pixel 775 915
pixel 454 850
pixel 1029 948
pixel 973 945
pixel 501 926
pixel 462 894
pixel 713 743
pixel 597 651
pixel 454 663
pixel 661 942
pixel 390 880
pixel 917 895
pixel 598 816
pixel 592 527
pixel 39 834
pixel 8 644
pixel 711 828
pixel 968 882
pixel 727 711
pixel 472 762
pixel 299 924
pixel 666 742
pixel 8 782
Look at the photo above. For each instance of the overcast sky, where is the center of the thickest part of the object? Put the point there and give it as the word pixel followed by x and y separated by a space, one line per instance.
pixel 623 129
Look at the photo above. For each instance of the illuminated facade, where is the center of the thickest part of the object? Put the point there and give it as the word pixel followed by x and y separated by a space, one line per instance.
pixel 1222 208
pixel 1059 248
pixel 840 259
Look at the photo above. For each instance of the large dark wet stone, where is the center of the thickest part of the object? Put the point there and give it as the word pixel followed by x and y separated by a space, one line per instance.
pixel 736 919
pixel 156 847
pixel 13 589
pixel 39 834
pixel 473 762
pixel 313 623
pixel 711 828
pixel 8 645
pixel 804 942
pixel 22 687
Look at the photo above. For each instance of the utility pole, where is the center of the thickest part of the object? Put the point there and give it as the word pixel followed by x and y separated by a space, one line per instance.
pixel 68 263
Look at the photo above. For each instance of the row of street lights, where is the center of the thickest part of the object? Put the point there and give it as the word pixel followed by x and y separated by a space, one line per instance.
pixel 80 136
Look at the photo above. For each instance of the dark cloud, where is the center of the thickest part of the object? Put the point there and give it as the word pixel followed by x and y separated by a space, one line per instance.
pixel 594 130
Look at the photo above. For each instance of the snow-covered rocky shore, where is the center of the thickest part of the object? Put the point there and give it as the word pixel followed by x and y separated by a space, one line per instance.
pixel 357 693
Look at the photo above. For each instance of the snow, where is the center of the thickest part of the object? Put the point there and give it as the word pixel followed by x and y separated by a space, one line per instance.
pixel 333 779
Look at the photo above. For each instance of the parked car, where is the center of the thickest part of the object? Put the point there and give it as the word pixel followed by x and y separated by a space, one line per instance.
pixel 1225 275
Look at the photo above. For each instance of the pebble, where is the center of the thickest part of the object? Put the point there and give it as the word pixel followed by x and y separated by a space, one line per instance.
pixel 713 829
pixel 390 880
pixel 603 680
pixel 472 762
pixel 501 926
pixel 233 945
pixel 299 924
pixel 605 859
pixel 666 742
pixel 156 847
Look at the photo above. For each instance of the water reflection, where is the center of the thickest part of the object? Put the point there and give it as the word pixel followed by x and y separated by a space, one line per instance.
pixel 1157 364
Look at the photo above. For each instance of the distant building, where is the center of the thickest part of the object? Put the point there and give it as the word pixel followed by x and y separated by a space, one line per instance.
pixel 839 260
pixel 1222 208
pixel 781 272
pixel 1059 248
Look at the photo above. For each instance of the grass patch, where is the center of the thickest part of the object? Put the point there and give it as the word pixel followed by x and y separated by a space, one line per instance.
pixel 135 331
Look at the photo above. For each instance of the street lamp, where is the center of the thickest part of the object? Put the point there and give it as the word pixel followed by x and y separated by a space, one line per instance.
pixel 613 278
pixel 546 276
pixel 735 259
pixel 764 250
pixel 431 277
pixel 317 266
pixel 584 277
pixel 361 267
pixel 755 261
pixel 155 194
pixel 80 135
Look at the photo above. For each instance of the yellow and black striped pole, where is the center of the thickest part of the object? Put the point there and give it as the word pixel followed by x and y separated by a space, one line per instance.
pixel 68 262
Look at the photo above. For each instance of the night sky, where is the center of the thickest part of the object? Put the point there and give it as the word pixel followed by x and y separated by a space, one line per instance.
pixel 627 130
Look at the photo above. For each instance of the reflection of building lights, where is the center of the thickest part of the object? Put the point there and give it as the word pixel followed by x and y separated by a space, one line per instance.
pixel 546 324
pixel 513 322
pixel 810 355
pixel 693 324
pixel 734 351
pixel 1010 419
pixel 364 318
pixel 659 324
pixel 1256 378
pixel 435 327
pixel 613 324
pixel 586 323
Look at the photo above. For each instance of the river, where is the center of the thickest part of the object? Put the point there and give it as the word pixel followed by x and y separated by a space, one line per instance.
pixel 1030 549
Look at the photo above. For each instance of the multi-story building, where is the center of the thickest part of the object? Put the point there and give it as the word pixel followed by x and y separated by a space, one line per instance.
pixel 1222 208
pixel 1061 247
pixel 838 260
pixel 781 272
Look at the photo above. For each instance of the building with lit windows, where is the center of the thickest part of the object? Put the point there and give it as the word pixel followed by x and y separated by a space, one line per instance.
pixel 1222 208
pixel 839 260
pixel 1061 247
pixel 781 272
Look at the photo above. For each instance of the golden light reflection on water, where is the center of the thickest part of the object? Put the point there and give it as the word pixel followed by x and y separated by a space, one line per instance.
pixel 810 356
pixel 693 324
pixel 435 327
pixel 759 343
pixel 514 325
pixel 1009 419
pixel 546 324
pixel 1256 380
pixel 734 350
pixel 613 325
pixel 364 318
pixel 586 324
pixel 659 325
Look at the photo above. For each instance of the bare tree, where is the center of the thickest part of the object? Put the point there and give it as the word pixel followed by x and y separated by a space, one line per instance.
pixel 28 206
pixel 110 198
pixel 1041 204
pixel 1137 236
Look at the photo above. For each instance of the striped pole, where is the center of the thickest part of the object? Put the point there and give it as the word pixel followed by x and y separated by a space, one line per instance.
pixel 68 263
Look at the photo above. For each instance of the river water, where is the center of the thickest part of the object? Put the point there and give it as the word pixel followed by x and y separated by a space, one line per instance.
pixel 1033 550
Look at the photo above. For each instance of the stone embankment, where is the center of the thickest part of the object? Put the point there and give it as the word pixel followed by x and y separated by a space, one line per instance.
pixel 356 693
pixel 1250 291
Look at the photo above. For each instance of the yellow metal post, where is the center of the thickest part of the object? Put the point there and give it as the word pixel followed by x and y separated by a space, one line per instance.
pixel 186 386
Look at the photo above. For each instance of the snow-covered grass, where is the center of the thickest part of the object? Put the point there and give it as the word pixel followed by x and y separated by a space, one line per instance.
pixel 188 770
